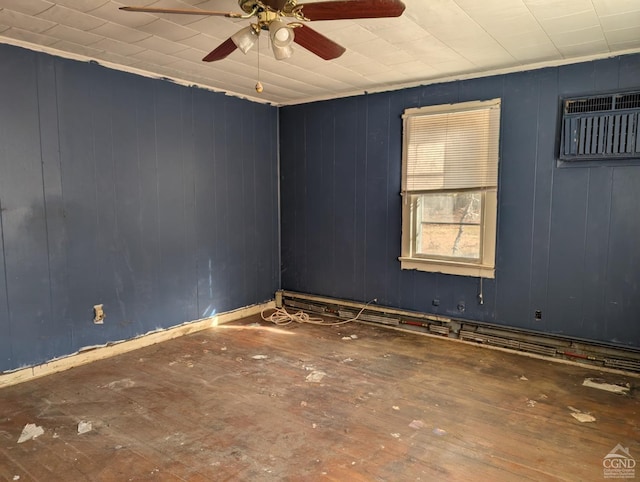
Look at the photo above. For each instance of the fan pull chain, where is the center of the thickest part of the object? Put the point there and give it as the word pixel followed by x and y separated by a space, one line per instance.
pixel 259 87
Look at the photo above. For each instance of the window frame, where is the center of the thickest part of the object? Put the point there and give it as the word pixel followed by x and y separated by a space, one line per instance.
pixel 485 267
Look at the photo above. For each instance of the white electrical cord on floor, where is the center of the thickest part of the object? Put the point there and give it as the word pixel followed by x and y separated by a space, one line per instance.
pixel 281 317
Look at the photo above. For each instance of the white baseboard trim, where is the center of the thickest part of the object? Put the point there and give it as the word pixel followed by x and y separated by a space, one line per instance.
pixel 91 354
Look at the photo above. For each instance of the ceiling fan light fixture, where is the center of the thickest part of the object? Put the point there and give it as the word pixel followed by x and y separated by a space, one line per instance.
pixel 281 36
pixel 245 38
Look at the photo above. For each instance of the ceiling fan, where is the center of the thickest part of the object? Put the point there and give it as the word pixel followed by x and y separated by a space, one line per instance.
pixel 270 14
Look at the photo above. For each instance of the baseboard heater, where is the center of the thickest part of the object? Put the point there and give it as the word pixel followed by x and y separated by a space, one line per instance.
pixel 553 346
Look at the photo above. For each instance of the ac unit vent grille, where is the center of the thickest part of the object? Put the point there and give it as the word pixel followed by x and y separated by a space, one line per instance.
pixel 628 101
pixel 593 104
pixel 601 128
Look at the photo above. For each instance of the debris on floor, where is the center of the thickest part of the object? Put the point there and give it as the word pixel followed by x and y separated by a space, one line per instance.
pixel 30 431
pixel 119 384
pixel 395 407
pixel 522 377
pixel 531 403
pixel 416 424
pixel 315 376
pixel 601 384
pixel 259 357
pixel 581 416
pixel 439 431
pixel 395 435
pixel 84 427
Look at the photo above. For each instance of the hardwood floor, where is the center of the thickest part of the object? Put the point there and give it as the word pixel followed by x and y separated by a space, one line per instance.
pixel 252 401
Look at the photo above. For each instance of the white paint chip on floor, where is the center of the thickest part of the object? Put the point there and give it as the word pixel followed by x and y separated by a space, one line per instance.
pixel 581 416
pixel 30 431
pixel 315 376
pixel 604 385
pixel 84 427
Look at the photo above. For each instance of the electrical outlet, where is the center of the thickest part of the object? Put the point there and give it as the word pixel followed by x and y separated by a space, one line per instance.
pixel 461 307
pixel 435 302
pixel 537 315
pixel 98 314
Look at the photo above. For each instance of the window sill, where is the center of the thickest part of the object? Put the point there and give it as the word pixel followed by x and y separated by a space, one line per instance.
pixel 460 269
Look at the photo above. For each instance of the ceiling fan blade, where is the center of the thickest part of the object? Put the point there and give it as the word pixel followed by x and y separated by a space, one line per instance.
pixel 317 43
pixel 224 49
pixel 180 11
pixel 351 9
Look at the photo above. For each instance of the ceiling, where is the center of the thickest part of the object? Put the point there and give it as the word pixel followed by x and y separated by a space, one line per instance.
pixel 434 40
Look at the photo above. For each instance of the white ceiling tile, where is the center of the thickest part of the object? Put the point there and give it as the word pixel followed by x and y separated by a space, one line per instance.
pixel 454 67
pixel 119 32
pixel 353 35
pixel 409 30
pixel 536 53
pixel 193 55
pixel 76 48
pixel 613 7
pixel 588 48
pixel 430 47
pixel 631 46
pixel 116 47
pixel 27 36
pixel 570 23
pixel 84 5
pixel 432 40
pixel 620 21
pixel 370 67
pixel 538 40
pixel 201 42
pixel 544 9
pixel 389 77
pixel 24 22
pixel 414 67
pixel 167 30
pixel 374 48
pixel 395 57
pixel 623 35
pixel 116 58
pixel 68 16
pixel 153 57
pixel 74 35
pixel 587 35
pixel 32 7
pixel 160 45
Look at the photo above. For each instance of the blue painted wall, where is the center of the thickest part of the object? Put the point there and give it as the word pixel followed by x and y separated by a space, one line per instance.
pixel 158 201
pixel 568 238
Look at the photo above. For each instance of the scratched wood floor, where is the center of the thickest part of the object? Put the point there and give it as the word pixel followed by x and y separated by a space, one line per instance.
pixel 250 401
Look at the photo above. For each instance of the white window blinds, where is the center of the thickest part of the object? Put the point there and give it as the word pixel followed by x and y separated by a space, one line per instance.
pixel 451 149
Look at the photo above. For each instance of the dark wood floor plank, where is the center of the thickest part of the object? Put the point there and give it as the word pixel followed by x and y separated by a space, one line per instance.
pixel 235 403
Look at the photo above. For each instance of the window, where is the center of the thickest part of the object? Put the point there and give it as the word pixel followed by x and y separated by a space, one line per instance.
pixel 449 188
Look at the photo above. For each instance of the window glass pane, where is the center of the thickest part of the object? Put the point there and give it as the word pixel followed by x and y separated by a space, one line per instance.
pixel 453 207
pixel 449 241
